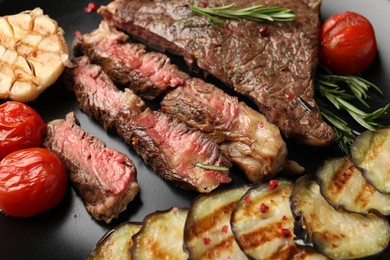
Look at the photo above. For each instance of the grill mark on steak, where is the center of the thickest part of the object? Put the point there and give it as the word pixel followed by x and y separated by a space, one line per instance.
pixel 104 178
pixel 275 70
pixel 244 135
pixel 148 74
pixel 167 145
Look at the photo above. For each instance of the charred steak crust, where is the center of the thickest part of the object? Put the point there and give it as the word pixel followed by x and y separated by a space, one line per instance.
pixel 104 178
pixel 167 145
pixel 148 74
pixel 275 69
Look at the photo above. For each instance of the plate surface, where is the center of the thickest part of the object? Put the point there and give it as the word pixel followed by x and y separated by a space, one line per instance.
pixel 68 231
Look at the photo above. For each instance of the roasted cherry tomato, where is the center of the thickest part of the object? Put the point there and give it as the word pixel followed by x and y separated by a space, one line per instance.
pixel 32 180
pixel 20 127
pixel 348 44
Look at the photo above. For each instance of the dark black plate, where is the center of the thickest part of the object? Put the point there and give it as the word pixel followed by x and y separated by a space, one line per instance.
pixel 68 231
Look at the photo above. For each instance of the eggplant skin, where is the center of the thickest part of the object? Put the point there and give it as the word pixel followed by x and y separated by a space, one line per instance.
pixel 343 186
pixel 371 152
pixel 336 233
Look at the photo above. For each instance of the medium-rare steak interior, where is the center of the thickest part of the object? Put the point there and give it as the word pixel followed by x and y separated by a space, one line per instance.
pixel 104 178
pixel 272 63
pixel 177 153
pixel 148 74
pixel 244 135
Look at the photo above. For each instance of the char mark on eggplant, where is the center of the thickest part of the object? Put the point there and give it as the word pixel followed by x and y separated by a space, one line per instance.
pixel 177 153
pixel 105 179
pixel 274 69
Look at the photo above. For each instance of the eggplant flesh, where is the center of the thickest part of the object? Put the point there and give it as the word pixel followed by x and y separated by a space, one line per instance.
pixel 117 243
pixel 370 153
pixel 343 185
pixel 263 224
pixel 161 236
pixel 208 233
pixel 337 234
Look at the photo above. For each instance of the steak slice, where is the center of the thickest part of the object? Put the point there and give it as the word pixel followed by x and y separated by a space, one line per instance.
pixel 244 135
pixel 162 140
pixel 272 63
pixel 167 145
pixel 99 97
pixel 148 74
pixel 104 178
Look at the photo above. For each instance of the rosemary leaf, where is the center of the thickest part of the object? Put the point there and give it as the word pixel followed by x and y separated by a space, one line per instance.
pixel 340 92
pixel 257 13
pixel 344 134
pixel 212 167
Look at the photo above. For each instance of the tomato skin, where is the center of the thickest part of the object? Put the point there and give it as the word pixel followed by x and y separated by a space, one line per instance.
pixel 348 43
pixel 20 127
pixel 32 180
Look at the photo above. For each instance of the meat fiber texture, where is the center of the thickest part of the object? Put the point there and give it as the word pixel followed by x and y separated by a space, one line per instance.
pixel 148 74
pixel 244 135
pixel 274 69
pixel 105 179
pixel 173 150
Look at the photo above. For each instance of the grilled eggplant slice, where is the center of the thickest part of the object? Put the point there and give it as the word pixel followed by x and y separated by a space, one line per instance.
pixel 117 243
pixel 207 233
pixel 343 185
pixel 262 221
pixel 263 224
pixel 370 153
pixel 336 233
pixel 161 236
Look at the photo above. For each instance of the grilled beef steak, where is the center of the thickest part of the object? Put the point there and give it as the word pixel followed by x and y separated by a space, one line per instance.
pixel 99 97
pixel 148 74
pixel 273 63
pixel 243 134
pixel 172 149
pixel 162 140
pixel 104 178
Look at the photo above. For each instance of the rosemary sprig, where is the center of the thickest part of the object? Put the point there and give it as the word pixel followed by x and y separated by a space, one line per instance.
pixel 344 134
pixel 340 91
pixel 257 13
pixel 212 167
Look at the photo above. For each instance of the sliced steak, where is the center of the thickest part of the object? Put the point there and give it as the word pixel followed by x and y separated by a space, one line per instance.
pixel 272 63
pixel 104 178
pixel 148 74
pixel 99 97
pixel 164 141
pixel 171 148
pixel 244 135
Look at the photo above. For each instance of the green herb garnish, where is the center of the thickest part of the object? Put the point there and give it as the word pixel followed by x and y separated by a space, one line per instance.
pixel 340 92
pixel 212 167
pixel 257 13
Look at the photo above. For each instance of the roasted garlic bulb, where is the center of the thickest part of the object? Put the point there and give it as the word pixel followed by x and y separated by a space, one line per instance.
pixel 33 52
